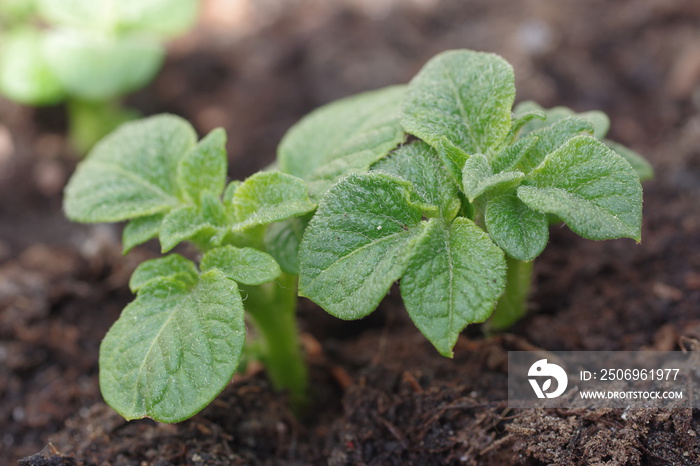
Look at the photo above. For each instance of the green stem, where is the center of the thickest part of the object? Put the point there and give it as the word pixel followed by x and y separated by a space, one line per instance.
pixel 512 305
pixel 272 307
pixel 90 121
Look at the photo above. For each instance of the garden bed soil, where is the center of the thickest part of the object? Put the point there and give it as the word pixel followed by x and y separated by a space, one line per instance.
pixel 381 394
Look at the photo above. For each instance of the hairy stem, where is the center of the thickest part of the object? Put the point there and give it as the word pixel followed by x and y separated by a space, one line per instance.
pixel 272 309
pixel 512 305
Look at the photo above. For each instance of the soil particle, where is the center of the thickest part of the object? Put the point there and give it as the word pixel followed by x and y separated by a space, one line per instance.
pixel 53 460
pixel 607 437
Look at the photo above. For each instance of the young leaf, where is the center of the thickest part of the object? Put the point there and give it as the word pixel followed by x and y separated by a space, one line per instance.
pixel 550 137
pixel 356 160
pixel 478 177
pixel 174 267
pixel 244 265
pixel 511 155
pixel 358 243
pixel 213 210
pixel 453 157
pixel 342 137
pixel 598 120
pixel 130 173
pixel 173 349
pixel 230 191
pixel 527 106
pixel 520 120
pixel 204 167
pixel 591 188
pixel 516 228
pixel 282 240
pixel 463 95
pixel 268 197
pixel 140 230
pixel 432 186
pixel 552 116
pixel 181 224
pixel 453 279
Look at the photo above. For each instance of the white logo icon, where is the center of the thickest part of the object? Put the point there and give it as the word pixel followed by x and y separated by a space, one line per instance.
pixel 542 368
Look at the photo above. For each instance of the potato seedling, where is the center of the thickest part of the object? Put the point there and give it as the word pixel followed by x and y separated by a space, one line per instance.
pixel 458 212
pixel 440 184
pixel 87 53
pixel 177 345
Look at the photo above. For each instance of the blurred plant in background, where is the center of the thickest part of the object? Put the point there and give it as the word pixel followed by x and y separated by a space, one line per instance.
pixel 86 53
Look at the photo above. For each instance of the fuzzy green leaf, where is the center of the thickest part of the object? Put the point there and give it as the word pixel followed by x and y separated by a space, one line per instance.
pixel 464 96
pixel 204 167
pixel 453 279
pixel 230 191
pixel 94 65
pixel 520 120
pixel 552 116
pixel 527 106
pixel 432 186
pixel 282 240
pixel 640 165
pixel 516 228
pixel 358 243
pixel 511 155
pixel 131 173
pixel 140 230
pixel 244 265
pixel 173 349
pixel 550 137
pixel 598 120
pixel 591 188
pixel 268 197
pixel 342 137
pixel 181 224
pixel 173 267
pixel 453 157
pixel 478 177
pixel 213 210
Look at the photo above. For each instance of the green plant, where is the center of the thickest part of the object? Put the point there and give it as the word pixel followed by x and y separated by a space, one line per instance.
pixel 86 52
pixel 456 211
pixel 177 345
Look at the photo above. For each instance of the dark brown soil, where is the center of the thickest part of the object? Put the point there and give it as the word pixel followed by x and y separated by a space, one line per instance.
pixel 382 394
